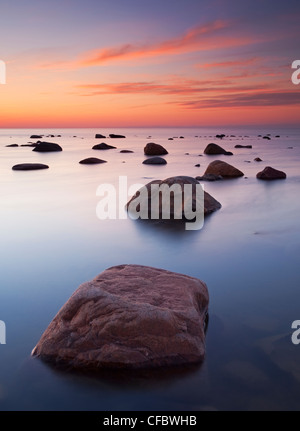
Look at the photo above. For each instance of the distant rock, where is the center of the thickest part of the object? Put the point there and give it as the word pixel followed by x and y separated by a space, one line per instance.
pixel 197 165
pixel 92 161
pixel 103 146
pixel 155 161
pixel 152 149
pixel 45 147
pixel 112 136
pixel 12 146
pixel 36 136
pixel 29 167
pixel 219 167
pixel 171 139
pixel 99 136
pixel 243 146
pixel 221 136
pixel 270 173
pixel 214 149
pixel 267 137
pixel 258 159
pixel 277 136
pixel 126 151
pixel 129 317
pixel 210 204
pixel 210 177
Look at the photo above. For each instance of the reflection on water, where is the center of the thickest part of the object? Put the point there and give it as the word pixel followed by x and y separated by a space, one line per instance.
pixel 247 254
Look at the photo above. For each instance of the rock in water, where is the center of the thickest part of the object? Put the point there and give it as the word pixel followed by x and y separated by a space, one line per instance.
pixel 243 146
pixel 113 136
pixel 271 174
pixel 214 149
pixel 103 146
pixel 210 204
pixel 29 167
pixel 36 136
pixel 152 149
pixel 12 146
pixel 92 161
pixel 219 167
pixel 155 161
pixel 45 147
pixel 99 136
pixel 129 316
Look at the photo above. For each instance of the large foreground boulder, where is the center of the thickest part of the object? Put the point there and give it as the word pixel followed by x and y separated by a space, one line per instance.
pixel 269 174
pixel 46 147
pixel 129 316
pixel 152 149
pixel 210 204
pixel 214 149
pixel 224 169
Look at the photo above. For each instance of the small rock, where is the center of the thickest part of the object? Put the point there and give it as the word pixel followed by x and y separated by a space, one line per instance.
pixel 126 151
pixel 155 161
pixel 92 161
pixel 112 136
pixel 99 136
pixel 152 149
pixel 257 159
pixel 36 137
pixel 270 173
pixel 219 167
pixel 12 146
pixel 103 146
pixel 45 147
pixel 214 149
pixel 243 146
pixel 29 167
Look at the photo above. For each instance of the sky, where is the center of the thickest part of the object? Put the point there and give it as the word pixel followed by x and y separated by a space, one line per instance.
pixel 137 63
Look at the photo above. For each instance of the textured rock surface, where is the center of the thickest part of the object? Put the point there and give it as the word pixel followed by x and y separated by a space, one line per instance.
pixel 219 167
pixel 129 316
pixel 152 149
pixel 29 167
pixel 214 149
pixel 210 177
pixel 271 174
pixel 210 204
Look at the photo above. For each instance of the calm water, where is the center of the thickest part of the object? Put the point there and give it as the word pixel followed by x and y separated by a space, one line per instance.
pixel 247 253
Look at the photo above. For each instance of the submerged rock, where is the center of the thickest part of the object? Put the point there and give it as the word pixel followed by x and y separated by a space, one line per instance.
pixel 92 161
pixel 243 146
pixel 36 137
pixel 112 136
pixel 12 146
pixel 155 161
pixel 270 173
pixel 29 167
pixel 210 177
pixel 214 149
pixel 224 169
pixel 129 316
pixel 258 159
pixel 126 151
pixel 45 147
pixel 152 149
pixel 103 146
